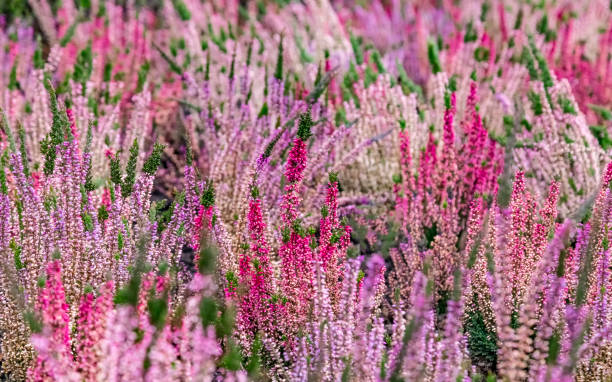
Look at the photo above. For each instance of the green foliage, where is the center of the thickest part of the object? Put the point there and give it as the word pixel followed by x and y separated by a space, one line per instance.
pixel 130 171
pixel 542 65
pixel 208 259
pixel 3 163
pixel 108 71
pixel 231 360
pixel 484 10
pixel 22 149
pixel 158 311
pixel 528 61
pixel 481 54
pixel 470 33
pixel 270 146
pixel 208 311
pixel 253 365
pixel 232 280
pixel 181 9
pixel 142 75
pixel 554 348
pixel 232 66
pixel 321 84
pixel 452 83
pixel 16 254
pixel 225 323
pixel 115 170
pixel 375 56
pixel 154 161
pixel 369 76
pixel 83 67
pixel 536 103
pixel 357 50
pixel 603 112
pixel 89 184
pixel 278 72
pixel 430 234
pixel 87 222
pixel 208 195
pixel 542 24
pixel 482 343
pixel 13 82
pixel 69 34
pixel 305 57
pixel 39 63
pixel 33 321
pixel 304 126
pixel 249 54
pixel 128 294
pixel 346 372
pixel 84 4
pixel 254 191
pixel 519 19
pixel 14 9
pixel 333 177
pixel 602 136
pixel 263 111
pixel 56 135
pixel 434 59
pixel 340 117
pixel 176 68
pixel 447 100
pixel 120 241
pixel 408 86
pixel 102 213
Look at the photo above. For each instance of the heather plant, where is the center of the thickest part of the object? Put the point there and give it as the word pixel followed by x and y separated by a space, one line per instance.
pixel 137 334
pixel 527 91
pixel 229 141
pixel 100 91
pixel 343 201
pixel 93 229
pixel 436 197
pixel 276 303
pixel 501 63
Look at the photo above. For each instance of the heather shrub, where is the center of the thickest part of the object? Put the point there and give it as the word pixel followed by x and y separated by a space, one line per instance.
pixel 305 190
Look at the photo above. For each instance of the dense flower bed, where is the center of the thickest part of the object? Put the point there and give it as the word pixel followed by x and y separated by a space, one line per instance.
pixel 305 190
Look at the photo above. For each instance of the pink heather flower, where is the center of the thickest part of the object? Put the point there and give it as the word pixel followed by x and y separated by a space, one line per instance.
pixel 548 215
pixel 425 181
pixel 257 232
pixel 474 150
pixel 448 164
pixel 257 309
pixel 36 180
pixel 53 345
pixel 296 163
pixel 106 198
pixel 72 122
pixel 202 219
pixel 296 280
pixel 333 242
pixel 91 327
pixel 520 206
pixel 404 191
pixel 52 304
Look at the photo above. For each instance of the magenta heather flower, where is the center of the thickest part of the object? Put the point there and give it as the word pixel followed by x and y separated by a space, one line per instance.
pixel 53 345
pixel 296 163
pixel 260 310
pixel 334 239
pixel 94 313
pixel 476 276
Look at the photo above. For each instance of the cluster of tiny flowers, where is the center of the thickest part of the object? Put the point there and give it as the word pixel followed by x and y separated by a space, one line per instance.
pixel 328 190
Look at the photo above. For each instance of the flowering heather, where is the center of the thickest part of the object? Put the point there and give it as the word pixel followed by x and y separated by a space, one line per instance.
pixel 326 190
